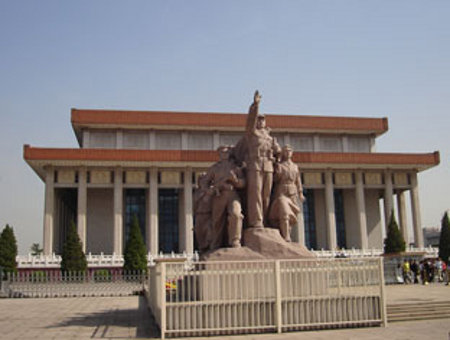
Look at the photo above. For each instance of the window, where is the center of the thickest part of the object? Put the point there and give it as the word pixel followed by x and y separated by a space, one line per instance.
pixel 200 141
pixel 330 144
pixel 168 140
pixel 358 144
pixel 168 220
pixel 135 140
pixel 102 139
pixel 310 220
pixel 302 142
pixel 134 205
pixel 340 219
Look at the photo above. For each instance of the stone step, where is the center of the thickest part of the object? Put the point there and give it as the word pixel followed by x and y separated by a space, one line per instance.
pixel 419 311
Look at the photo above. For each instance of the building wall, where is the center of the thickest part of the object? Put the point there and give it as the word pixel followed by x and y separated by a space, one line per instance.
pixel 374 224
pixel 204 140
pixel 100 221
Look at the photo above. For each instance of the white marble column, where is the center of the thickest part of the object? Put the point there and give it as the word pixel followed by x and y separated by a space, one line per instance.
pixel 388 193
pixel 82 207
pixel 152 228
pixel 216 140
pixel 118 211
pixel 361 211
pixel 415 207
pixel 187 228
pixel 298 232
pixel 330 217
pixel 402 219
pixel 49 210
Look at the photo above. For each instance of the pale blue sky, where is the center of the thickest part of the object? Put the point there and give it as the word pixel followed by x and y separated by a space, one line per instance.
pixel 356 58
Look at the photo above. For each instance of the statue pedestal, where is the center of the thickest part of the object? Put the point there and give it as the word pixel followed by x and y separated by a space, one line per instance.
pixel 269 243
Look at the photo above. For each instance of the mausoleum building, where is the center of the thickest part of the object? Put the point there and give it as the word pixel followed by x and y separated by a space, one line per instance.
pixel 146 163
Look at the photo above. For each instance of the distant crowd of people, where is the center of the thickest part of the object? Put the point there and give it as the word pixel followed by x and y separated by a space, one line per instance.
pixel 425 271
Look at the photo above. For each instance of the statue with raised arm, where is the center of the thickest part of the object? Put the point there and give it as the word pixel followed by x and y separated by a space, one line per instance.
pixel 259 150
pixel 287 195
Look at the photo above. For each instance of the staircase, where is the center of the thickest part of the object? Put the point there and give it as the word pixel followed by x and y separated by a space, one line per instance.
pixel 418 311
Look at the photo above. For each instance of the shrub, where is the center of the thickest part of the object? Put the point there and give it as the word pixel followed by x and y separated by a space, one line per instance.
pixel 102 275
pixel 394 242
pixel 135 255
pixel 8 250
pixel 444 239
pixel 72 257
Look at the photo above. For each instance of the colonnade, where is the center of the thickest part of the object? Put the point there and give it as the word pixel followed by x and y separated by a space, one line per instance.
pixel 186 237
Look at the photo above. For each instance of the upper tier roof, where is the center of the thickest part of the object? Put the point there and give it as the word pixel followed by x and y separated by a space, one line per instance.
pixel 221 121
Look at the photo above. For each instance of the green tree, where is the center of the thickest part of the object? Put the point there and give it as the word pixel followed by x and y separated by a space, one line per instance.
pixel 73 258
pixel 135 255
pixel 394 242
pixel 36 249
pixel 444 239
pixel 8 250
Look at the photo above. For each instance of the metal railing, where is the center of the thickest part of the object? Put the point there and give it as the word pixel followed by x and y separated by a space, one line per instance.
pixel 212 298
pixel 430 252
pixel 40 284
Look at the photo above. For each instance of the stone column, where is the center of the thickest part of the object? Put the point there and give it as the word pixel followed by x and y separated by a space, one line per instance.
pixel 388 192
pixel 119 139
pixel 82 207
pixel 402 220
pixel 415 207
pixel 330 217
pixel 152 228
pixel 316 143
pixel 361 211
pixel 187 228
pixel 49 210
pixel 298 232
pixel 216 140
pixel 86 137
pixel 184 141
pixel 345 143
pixel 118 211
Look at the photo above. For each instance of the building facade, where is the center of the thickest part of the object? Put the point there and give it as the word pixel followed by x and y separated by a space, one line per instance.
pixel 147 162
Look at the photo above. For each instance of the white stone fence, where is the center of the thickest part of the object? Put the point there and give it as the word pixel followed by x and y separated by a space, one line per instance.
pixel 94 261
pixel 218 298
pixel 429 252
pixel 114 261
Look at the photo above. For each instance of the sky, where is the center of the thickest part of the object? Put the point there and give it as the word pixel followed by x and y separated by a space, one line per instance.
pixel 328 58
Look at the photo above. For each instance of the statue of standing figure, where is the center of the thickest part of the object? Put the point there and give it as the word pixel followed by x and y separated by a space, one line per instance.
pixel 287 195
pixel 222 179
pixel 254 164
pixel 259 150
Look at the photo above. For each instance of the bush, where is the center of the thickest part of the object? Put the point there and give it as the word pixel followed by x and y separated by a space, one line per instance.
pixel 135 256
pixel 102 275
pixel 39 276
pixel 394 242
pixel 8 250
pixel 444 239
pixel 72 257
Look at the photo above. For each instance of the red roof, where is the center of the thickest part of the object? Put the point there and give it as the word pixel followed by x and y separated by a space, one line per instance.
pixel 117 118
pixel 421 160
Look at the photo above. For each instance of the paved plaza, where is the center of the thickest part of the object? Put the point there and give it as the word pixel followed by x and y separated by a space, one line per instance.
pixel 129 318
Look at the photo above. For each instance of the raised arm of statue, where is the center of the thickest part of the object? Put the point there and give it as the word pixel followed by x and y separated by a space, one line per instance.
pixel 253 112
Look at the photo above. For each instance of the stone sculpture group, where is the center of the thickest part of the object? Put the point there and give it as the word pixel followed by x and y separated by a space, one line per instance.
pixel 254 181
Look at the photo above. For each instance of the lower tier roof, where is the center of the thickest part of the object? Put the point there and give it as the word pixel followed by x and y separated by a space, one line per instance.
pixel 38 158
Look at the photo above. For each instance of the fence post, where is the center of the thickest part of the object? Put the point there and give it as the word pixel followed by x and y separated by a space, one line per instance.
pixel 278 314
pixel 382 294
pixel 163 300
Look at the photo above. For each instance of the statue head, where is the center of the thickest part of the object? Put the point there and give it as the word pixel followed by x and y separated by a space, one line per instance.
pixel 286 152
pixel 260 121
pixel 224 152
